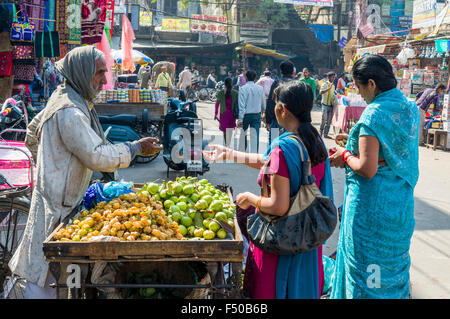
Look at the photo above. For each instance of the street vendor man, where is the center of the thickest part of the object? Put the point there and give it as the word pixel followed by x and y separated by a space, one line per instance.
pixel 163 82
pixel 70 146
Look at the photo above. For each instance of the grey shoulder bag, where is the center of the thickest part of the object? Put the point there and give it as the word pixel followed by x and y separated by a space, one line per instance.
pixel 309 222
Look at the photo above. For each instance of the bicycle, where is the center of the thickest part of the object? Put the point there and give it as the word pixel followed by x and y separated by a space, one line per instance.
pixel 15 193
pixel 14 209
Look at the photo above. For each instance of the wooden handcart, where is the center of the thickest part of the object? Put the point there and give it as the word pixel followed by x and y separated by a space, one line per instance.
pixel 215 253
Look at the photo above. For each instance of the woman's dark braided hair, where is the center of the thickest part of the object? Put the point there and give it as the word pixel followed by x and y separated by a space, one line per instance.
pixel 298 98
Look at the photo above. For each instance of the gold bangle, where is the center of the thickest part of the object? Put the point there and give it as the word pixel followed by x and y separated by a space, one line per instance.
pixel 258 204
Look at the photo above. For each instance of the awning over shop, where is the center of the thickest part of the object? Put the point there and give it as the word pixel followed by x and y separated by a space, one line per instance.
pixel 153 49
pixel 257 50
pixel 377 49
pixel 324 33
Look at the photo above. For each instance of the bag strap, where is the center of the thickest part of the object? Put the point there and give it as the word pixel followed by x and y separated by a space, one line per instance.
pixel 307 177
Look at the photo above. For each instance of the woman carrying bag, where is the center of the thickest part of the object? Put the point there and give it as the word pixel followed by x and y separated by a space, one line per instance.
pixel 269 275
pixel 227 104
pixel 381 164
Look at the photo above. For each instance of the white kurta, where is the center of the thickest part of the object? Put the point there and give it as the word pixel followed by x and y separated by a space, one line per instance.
pixel 69 150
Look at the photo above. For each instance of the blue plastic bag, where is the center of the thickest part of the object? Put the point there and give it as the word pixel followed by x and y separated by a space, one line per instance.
pixel 97 193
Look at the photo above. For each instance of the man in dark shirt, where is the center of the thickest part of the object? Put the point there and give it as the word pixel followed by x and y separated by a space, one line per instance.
pixel 287 70
pixel 428 97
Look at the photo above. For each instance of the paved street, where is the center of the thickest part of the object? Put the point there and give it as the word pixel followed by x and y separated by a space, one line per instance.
pixel 430 251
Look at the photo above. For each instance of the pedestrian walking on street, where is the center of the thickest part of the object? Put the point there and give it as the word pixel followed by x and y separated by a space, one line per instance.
pixel 340 86
pixel 287 70
pixel 70 144
pixel 381 162
pixel 185 79
pixel 242 79
pixel 268 275
pixel 163 82
pixel 252 102
pixel 211 80
pixel 144 75
pixel 309 80
pixel 429 97
pixel 226 110
pixel 266 83
pixel 327 91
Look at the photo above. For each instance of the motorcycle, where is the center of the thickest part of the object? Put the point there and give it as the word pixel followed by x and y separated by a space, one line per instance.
pixel 122 128
pixel 183 139
pixel 14 118
pixel 192 91
pixel 210 94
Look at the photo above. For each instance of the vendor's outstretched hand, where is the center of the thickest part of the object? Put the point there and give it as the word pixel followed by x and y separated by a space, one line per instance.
pixel 150 146
pixel 218 153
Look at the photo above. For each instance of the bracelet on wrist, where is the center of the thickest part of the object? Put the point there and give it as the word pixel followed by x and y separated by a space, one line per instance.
pixel 345 154
pixel 258 204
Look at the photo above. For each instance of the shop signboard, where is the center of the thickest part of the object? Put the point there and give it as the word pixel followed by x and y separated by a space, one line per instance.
pixel 175 25
pixel 145 18
pixel 424 13
pixel 256 40
pixel 317 3
pixel 405 21
pixel 342 43
pixel 258 29
pixel 202 23
pixel 377 49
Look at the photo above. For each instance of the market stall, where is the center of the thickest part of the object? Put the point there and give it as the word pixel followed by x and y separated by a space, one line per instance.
pixel 347 111
pixel 153 228
pixel 147 106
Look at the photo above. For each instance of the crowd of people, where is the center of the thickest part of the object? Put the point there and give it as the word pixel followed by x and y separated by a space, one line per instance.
pixel 254 106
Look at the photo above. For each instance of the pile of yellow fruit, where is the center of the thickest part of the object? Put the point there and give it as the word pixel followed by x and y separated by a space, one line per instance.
pixel 129 217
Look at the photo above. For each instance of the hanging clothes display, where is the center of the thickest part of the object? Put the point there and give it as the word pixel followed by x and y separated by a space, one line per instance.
pixel 37 12
pixel 46 44
pixel 74 20
pixel 93 16
pixel 61 22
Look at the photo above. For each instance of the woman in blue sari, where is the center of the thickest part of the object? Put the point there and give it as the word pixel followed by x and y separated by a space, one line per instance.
pixel 289 276
pixel 381 163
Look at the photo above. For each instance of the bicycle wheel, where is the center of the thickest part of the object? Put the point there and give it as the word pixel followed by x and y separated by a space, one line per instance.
pixel 13 219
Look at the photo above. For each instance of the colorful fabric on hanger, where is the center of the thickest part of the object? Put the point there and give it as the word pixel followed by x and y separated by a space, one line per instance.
pixel 23 73
pixel 61 20
pixel 49 15
pixel 74 21
pixel 62 51
pixel 23 52
pixel 6 59
pixel 93 16
pixel 37 12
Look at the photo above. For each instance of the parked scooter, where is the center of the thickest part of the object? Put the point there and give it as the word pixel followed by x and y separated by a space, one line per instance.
pixel 183 139
pixel 127 128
